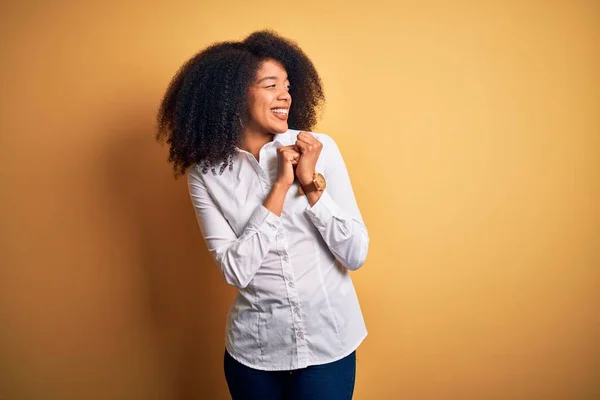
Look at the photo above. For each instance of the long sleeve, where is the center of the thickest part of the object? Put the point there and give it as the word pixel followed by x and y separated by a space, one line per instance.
pixel 238 257
pixel 336 215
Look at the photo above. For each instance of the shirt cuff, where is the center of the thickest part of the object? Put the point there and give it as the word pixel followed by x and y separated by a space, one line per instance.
pixel 323 210
pixel 265 221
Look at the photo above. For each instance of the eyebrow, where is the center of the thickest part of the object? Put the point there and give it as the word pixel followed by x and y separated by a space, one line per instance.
pixel 269 77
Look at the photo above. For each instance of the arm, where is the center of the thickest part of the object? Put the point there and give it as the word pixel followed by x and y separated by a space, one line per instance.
pixel 335 213
pixel 238 258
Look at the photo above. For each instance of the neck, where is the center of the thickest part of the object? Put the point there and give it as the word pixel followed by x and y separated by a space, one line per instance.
pixel 253 141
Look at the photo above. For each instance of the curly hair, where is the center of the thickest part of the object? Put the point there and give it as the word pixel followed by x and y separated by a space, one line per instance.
pixel 204 109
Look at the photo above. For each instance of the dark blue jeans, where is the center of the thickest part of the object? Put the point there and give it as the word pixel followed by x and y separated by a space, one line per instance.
pixel 333 381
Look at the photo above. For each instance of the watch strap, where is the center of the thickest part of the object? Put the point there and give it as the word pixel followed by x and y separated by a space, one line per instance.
pixel 311 187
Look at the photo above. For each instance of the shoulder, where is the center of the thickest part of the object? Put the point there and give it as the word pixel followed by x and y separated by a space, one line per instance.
pixel 195 175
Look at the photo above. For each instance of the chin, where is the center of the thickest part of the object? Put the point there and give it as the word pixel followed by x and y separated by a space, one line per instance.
pixel 280 128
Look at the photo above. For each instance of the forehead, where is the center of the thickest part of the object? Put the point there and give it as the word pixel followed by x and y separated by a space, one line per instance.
pixel 271 68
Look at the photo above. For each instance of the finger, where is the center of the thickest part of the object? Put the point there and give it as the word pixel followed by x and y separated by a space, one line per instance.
pixel 307 137
pixel 305 146
pixel 291 151
pixel 288 147
pixel 291 155
pixel 302 146
pixel 284 150
pixel 306 142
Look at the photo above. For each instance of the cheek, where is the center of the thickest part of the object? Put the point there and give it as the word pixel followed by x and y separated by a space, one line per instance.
pixel 256 106
pixel 261 109
pixel 253 108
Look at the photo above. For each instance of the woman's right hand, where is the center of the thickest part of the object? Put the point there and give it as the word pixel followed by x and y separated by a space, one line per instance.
pixel 287 159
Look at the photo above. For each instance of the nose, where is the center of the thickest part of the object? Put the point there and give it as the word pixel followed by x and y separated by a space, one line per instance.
pixel 284 95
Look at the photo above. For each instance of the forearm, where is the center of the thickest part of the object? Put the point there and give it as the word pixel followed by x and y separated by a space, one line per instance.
pixel 346 237
pixel 238 255
pixel 276 197
pixel 313 197
pixel 243 258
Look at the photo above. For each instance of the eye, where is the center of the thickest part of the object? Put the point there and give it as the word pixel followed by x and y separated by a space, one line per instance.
pixel 271 86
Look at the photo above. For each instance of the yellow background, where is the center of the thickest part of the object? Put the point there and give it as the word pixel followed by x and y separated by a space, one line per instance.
pixel 471 131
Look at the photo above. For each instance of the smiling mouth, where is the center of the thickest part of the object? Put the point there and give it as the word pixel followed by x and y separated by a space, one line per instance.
pixel 280 113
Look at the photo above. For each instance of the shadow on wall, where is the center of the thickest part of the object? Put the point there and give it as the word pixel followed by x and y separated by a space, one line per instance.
pixel 186 297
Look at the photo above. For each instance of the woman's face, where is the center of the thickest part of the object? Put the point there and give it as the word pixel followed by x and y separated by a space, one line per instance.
pixel 269 99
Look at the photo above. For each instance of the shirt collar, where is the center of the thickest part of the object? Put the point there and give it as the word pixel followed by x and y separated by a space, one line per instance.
pixel 280 139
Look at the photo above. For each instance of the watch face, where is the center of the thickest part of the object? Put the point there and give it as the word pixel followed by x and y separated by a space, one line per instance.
pixel 320 181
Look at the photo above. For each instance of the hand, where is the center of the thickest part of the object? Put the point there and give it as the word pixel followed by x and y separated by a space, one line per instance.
pixel 287 158
pixel 310 148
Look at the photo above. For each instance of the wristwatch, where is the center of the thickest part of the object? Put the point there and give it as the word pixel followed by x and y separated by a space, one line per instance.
pixel 318 184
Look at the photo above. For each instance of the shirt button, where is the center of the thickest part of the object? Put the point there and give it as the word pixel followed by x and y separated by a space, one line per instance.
pixel 297 310
pixel 291 284
pixel 300 335
pixel 286 258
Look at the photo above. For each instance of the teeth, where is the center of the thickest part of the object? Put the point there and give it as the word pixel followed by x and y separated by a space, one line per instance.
pixel 280 111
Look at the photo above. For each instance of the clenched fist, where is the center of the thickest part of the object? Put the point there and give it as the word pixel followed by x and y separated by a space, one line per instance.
pixel 310 148
pixel 287 158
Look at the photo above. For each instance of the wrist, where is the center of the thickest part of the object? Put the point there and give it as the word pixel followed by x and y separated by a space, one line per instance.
pixel 281 186
pixel 306 179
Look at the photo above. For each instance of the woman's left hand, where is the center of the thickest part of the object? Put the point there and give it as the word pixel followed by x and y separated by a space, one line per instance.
pixel 309 148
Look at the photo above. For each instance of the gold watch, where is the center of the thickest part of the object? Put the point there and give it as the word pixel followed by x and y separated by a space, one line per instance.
pixel 318 184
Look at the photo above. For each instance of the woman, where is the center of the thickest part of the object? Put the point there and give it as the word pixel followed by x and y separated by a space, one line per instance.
pixel 277 212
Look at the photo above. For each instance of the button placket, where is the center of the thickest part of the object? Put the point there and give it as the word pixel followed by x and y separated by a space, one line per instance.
pixel 262 176
pixel 297 323
pixel 270 164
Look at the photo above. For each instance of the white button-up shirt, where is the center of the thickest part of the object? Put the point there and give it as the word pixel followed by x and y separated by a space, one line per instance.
pixel 296 305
